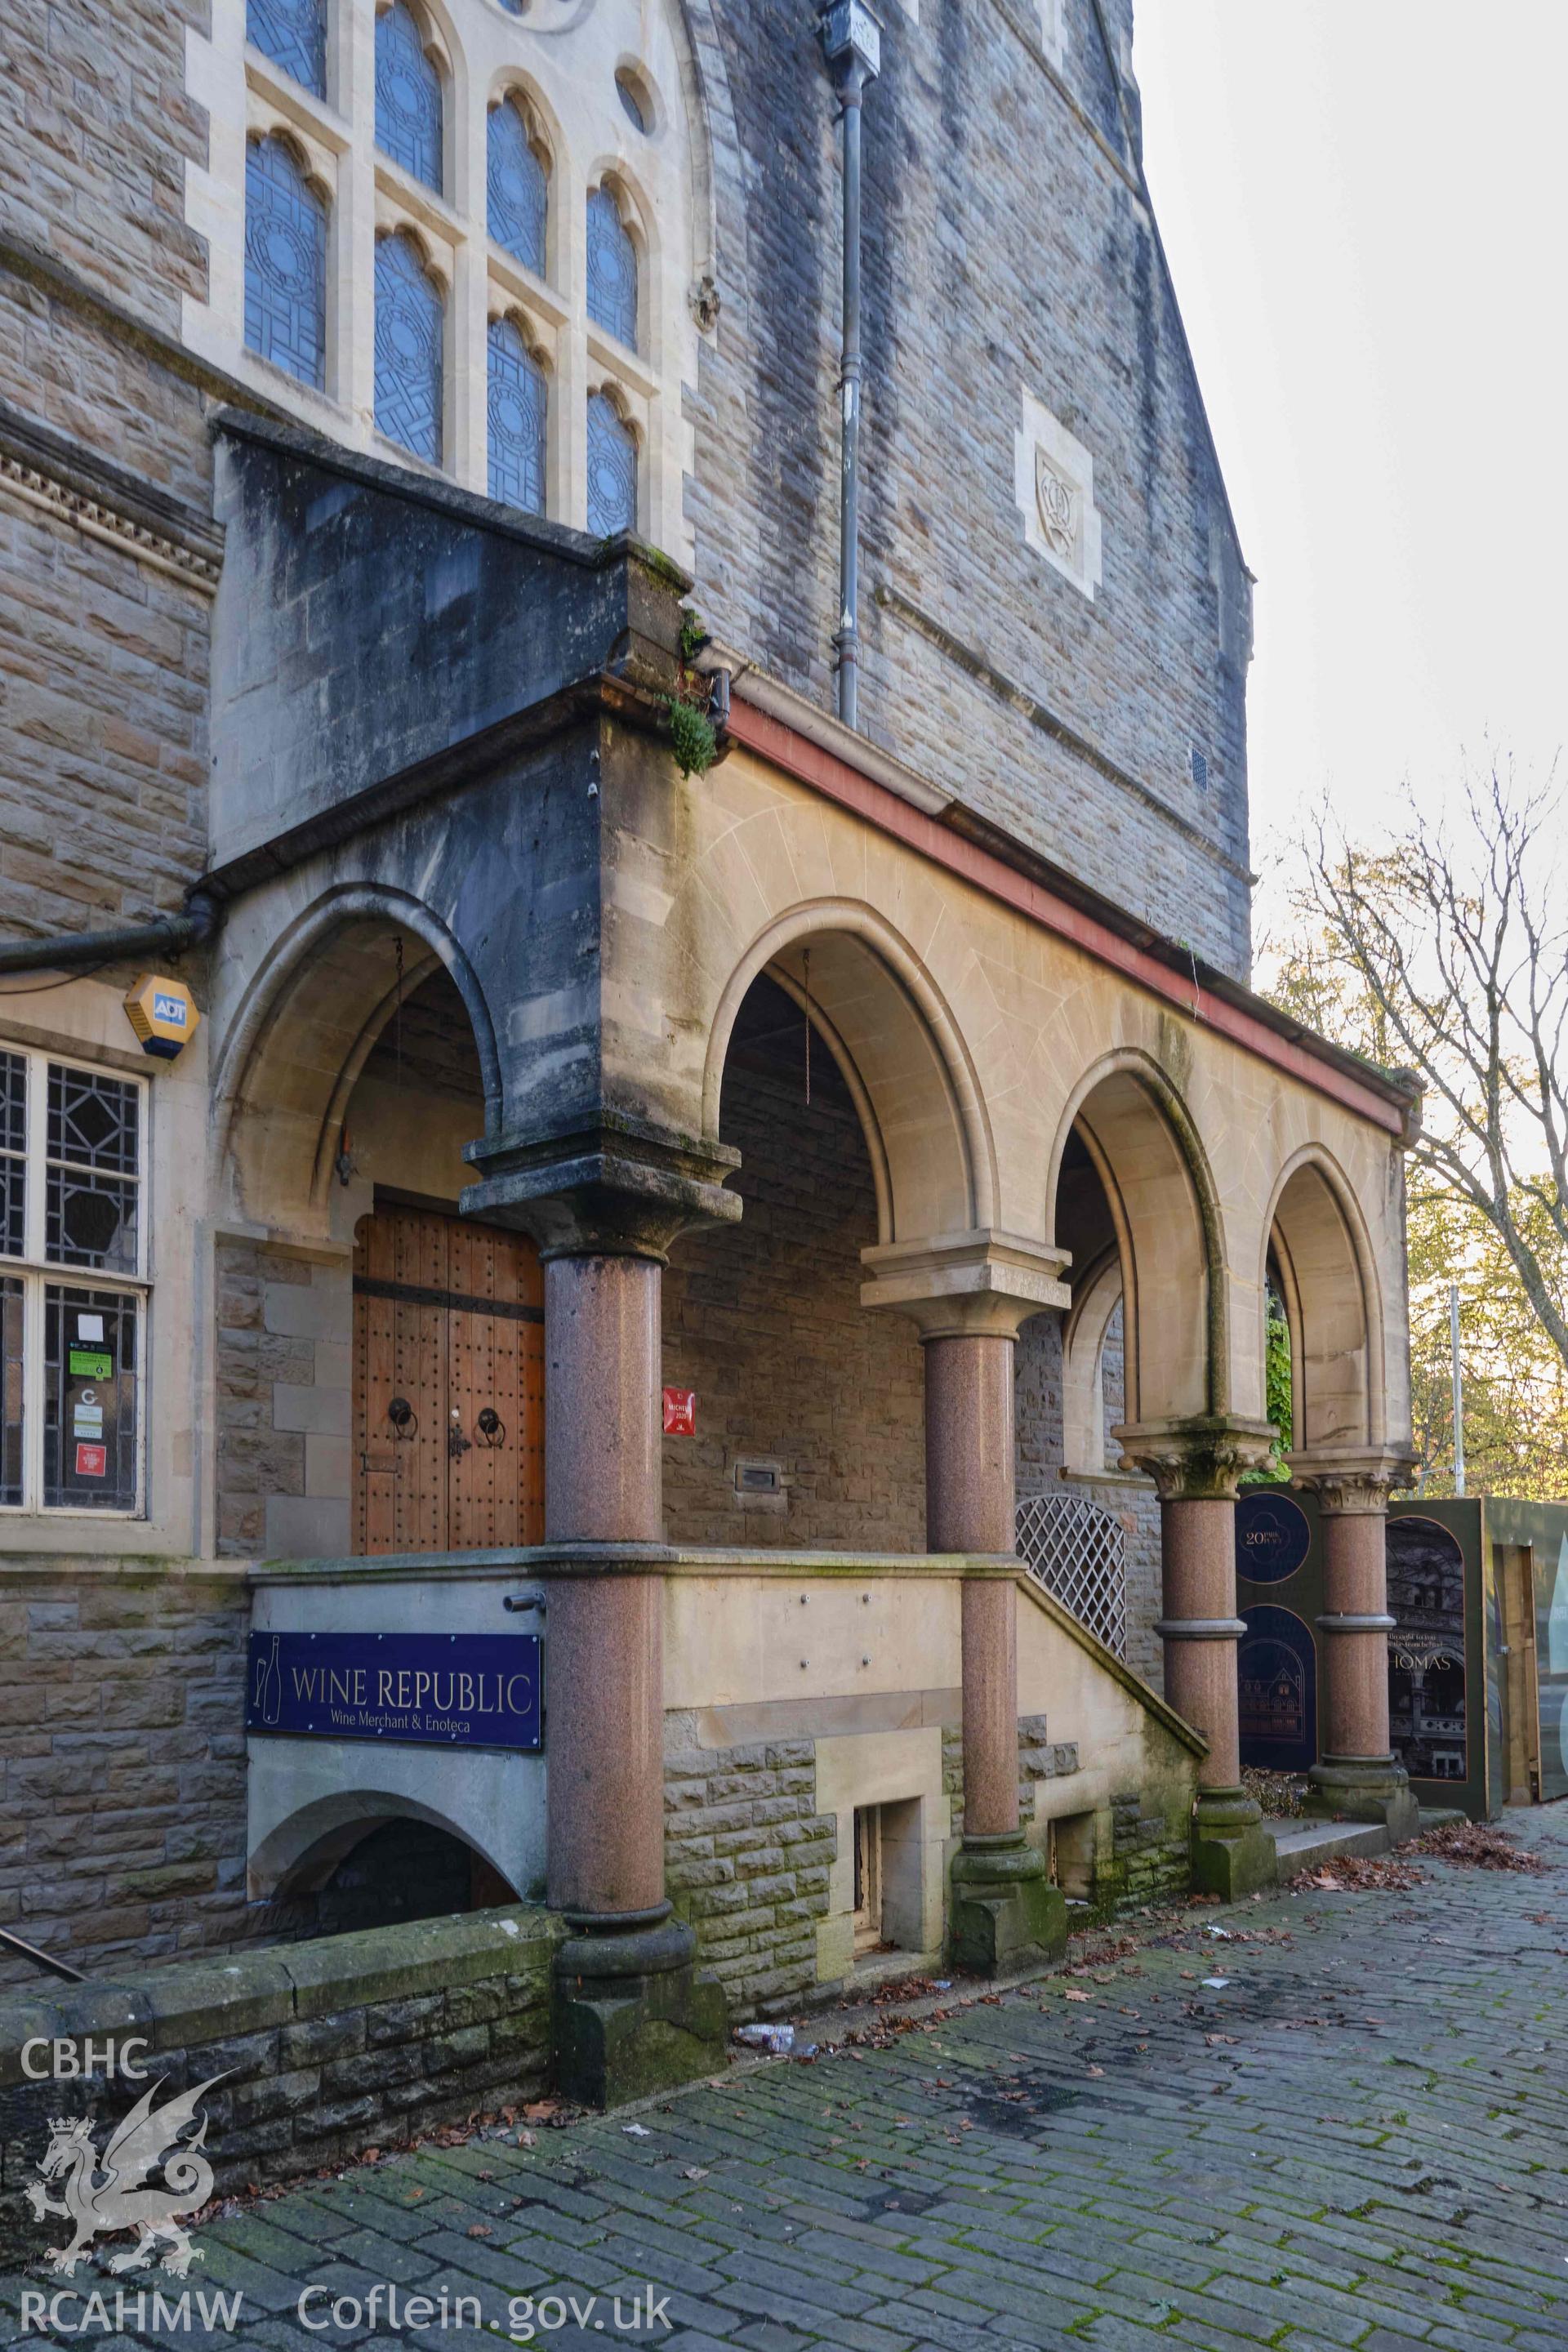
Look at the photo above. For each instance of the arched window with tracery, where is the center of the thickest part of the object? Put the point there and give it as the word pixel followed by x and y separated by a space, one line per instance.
pixel 611 269
pixel 408 110
pixel 611 468
pixel 293 34
pixel 285 262
pixel 517 413
pixel 409 337
pixel 516 187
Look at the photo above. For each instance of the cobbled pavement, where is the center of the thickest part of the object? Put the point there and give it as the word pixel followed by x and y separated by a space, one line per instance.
pixel 1359 2144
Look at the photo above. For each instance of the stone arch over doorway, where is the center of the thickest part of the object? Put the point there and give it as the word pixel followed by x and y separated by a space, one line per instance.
pixel 309 1017
pixel 319 1129
pixel 1163 1209
pixel 883 1019
pixel 1317 1243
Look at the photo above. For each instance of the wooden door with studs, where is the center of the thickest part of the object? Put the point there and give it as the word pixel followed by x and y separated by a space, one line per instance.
pixel 449 1385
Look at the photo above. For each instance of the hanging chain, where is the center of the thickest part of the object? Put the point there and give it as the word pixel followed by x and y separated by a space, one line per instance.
pixel 806 960
pixel 399 1012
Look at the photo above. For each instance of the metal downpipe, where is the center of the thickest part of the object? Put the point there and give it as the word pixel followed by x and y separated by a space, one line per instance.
pixel 851 42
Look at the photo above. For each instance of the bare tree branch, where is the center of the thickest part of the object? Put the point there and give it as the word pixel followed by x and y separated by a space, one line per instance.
pixel 1450 956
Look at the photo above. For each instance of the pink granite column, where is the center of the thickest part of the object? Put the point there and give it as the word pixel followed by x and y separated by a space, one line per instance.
pixel 602 1483
pixel 1357 1772
pixel 1200 1627
pixel 1196 1465
pixel 1355 1627
pixel 970 1508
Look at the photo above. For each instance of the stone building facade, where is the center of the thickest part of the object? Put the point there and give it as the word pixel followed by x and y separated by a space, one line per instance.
pixel 419 514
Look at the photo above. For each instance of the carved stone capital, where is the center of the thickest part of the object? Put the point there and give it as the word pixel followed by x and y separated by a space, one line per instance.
pixel 617 1189
pixel 980 1284
pixel 1352 1483
pixel 1199 1460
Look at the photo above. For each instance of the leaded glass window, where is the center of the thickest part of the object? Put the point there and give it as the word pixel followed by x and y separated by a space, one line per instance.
pixel 91 1350
pixel 611 468
pixel 408 97
pixel 12 1154
pixel 92 1169
pixel 72 1147
pixel 518 187
pixel 611 269
pixel 13 1297
pixel 285 262
pixel 293 34
pixel 408 348
pixel 517 413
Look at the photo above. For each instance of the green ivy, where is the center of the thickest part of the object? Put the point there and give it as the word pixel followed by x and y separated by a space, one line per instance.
pixel 1280 1397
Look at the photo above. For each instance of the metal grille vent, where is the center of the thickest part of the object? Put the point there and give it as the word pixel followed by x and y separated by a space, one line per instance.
pixel 1075 1548
pixel 1200 769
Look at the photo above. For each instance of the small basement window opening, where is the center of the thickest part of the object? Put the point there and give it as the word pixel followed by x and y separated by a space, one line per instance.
pixel 868 1880
pixel 890 1879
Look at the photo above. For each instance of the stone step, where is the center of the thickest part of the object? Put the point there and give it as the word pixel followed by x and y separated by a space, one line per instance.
pixel 1301 1845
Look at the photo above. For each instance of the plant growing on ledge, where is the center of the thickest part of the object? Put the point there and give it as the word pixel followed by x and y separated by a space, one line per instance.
pixel 692 736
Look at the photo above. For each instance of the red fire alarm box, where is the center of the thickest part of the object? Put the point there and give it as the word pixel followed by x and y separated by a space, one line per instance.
pixel 680 1413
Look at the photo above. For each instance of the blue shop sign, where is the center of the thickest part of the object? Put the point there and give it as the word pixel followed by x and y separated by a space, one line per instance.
pixel 444 1690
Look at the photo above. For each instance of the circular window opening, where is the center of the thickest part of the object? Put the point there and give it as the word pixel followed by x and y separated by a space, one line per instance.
pixel 635 101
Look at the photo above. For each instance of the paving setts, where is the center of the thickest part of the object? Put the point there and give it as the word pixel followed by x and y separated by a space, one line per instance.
pixel 1361 2140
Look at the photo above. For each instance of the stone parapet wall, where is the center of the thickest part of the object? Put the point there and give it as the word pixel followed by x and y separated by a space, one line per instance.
pixel 747 1857
pixel 748 1854
pixel 329 2047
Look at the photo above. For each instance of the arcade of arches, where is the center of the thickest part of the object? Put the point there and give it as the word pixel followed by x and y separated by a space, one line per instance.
pixel 815 1412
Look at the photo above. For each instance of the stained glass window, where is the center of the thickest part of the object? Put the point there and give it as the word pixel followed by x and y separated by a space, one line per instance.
pixel 285 263
pixel 611 468
pixel 293 34
pixel 518 187
pixel 89 1399
pixel 408 97
pixel 631 102
pixel 91 1169
pixel 13 1151
pixel 611 269
pixel 517 414
pixel 408 348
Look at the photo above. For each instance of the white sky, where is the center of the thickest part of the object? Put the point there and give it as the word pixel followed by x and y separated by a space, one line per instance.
pixel 1363 202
